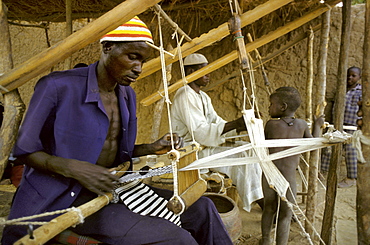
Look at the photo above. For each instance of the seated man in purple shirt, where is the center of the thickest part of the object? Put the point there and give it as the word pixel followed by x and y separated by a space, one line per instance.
pixel 79 124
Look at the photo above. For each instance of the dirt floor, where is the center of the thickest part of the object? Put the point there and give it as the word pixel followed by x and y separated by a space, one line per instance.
pixel 345 221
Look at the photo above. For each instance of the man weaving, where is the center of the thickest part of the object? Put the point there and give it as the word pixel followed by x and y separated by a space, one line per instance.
pixel 79 124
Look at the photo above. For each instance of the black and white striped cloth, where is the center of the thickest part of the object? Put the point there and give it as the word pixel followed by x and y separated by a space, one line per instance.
pixel 141 199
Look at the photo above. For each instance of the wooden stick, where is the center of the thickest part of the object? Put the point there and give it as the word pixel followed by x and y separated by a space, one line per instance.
pixel 89 34
pixel 46 232
pixel 336 156
pixel 214 35
pixel 235 29
pixel 158 48
pixel 308 109
pixel 69 31
pixel 320 98
pixel 267 58
pixel 234 55
pixel 363 178
pixel 12 102
pixel 172 23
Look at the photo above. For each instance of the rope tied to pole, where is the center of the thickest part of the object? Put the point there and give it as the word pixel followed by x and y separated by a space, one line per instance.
pixel 23 220
pixel 357 139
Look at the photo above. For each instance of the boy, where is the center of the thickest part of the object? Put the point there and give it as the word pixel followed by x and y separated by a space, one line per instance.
pixel 353 96
pixel 283 104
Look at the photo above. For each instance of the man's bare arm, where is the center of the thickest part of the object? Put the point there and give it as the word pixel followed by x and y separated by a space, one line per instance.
pixel 161 146
pixel 94 177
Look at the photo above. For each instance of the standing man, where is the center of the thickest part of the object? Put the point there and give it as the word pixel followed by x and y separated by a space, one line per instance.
pixel 192 114
pixel 79 124
pixel 353 96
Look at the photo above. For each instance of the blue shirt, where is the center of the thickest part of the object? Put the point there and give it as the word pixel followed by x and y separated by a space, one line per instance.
pixel 66 118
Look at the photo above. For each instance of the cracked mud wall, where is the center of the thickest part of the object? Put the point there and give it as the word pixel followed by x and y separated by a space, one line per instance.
pixel 287 69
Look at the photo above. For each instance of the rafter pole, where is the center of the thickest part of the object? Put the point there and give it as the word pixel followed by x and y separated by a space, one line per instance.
pixel 257 64
pixel 214 35
pixel 69 29
pixel 65 48
pixel 172 23
pixel 234 55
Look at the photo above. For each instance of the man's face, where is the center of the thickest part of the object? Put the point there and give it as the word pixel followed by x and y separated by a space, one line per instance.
pixel 124 61
pixel 202 81
pixel 352 77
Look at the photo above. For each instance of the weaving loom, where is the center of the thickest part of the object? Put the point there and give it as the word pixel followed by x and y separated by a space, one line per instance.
pixel 188 186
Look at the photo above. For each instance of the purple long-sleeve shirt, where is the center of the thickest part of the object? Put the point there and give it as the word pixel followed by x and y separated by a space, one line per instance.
pixel 66 118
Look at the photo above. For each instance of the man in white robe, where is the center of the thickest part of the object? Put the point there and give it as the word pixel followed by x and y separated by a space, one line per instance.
pixel 194 118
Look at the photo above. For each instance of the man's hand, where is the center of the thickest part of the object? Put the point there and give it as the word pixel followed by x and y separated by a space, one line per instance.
pixel 164 144
pixel 93 177
pixel 96 178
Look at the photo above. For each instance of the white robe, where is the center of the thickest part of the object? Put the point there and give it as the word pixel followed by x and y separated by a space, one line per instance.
pixel 192 111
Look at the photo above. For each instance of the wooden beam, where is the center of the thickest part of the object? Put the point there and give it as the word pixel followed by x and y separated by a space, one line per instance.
pixel 336 156
pixel 71 218
pixel 308 107
pixel 256 64
pixel 320 101
pixel 69 30
pixel 214 35
pixel 234 55
pixel 63 49
pixel 363 169
pixel 172 23
pixel 12 102
pixel 193 4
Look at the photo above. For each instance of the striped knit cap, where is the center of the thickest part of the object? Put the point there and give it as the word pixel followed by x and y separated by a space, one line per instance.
pixel 133 30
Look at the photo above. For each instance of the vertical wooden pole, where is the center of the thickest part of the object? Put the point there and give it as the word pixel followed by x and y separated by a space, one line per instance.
pixel 13 105
pixel 69 29
pixel 309 83
pixel 363 169
pixel 320 98
pixel 309 94
pixel 336 157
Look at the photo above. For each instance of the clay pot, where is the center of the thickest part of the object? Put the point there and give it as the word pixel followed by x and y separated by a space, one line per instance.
pixel 229 213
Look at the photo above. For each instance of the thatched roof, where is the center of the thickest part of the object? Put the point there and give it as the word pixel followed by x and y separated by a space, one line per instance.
pixel 209 14
pixel 55 10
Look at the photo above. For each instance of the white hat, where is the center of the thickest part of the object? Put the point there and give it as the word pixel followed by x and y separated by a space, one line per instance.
pixel 195 59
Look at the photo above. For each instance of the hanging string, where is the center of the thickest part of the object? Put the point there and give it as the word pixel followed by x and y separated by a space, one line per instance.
pixel 253 88
pixel 244 90
pixel 183 76
pixel 174 153
pixel 231 6
pixel 23 220
pixel 164 79
pixel 291 206
pixel 277 217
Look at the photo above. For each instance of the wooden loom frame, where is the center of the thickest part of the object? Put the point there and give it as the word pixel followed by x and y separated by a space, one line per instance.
pixel 190 190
